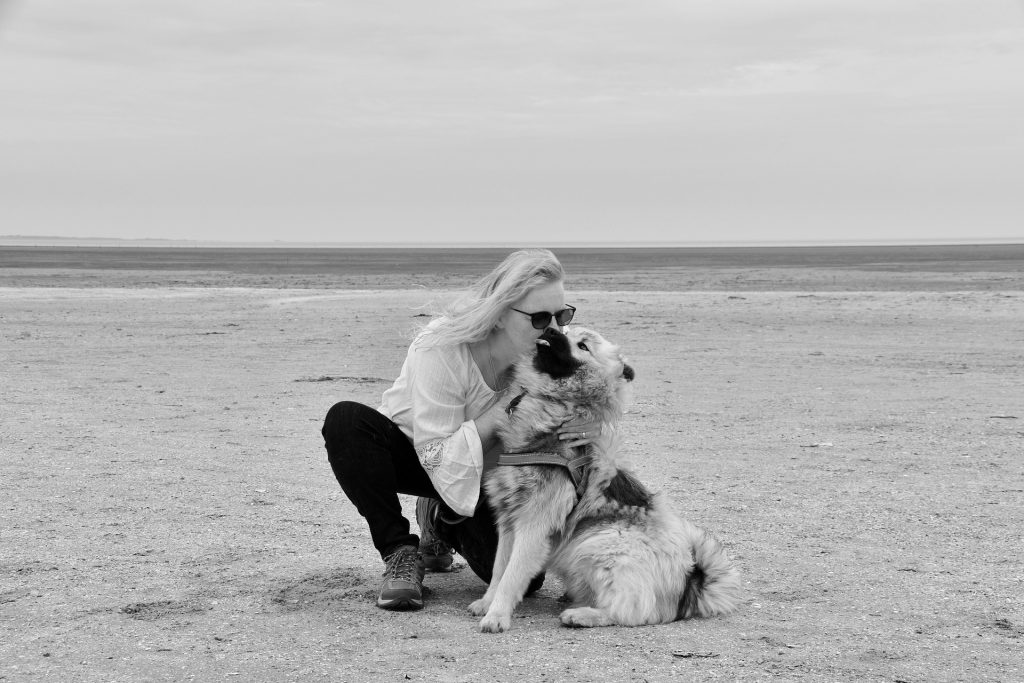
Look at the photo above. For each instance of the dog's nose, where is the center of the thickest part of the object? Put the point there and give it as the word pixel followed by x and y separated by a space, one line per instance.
pixel 549 336
pixel 627 372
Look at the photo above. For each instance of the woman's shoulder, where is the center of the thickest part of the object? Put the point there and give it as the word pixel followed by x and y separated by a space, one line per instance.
pixel 423 351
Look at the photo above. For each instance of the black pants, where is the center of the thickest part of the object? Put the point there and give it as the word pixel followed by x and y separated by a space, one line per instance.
pixel 374 461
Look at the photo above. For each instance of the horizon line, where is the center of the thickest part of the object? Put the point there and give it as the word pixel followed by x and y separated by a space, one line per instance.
pixel 163 242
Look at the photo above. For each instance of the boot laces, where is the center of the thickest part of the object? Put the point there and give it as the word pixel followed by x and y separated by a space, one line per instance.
pixel 435 547
pixel 402 564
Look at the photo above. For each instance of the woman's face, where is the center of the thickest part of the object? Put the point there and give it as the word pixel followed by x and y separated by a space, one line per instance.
pixel 549 297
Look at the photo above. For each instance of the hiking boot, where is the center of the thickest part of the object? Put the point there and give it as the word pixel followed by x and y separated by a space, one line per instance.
pixel 436 554
pixel 403 580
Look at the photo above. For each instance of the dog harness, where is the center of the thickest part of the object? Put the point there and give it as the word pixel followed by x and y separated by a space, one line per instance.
pixel 576 466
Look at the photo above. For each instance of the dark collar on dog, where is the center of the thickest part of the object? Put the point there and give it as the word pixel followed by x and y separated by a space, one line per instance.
pixel 510 409
pixel 576 466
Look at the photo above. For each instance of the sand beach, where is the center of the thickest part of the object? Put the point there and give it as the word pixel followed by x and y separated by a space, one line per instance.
pixel 852 428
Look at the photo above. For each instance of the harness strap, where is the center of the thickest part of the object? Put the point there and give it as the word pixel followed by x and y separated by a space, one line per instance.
pixel 575 466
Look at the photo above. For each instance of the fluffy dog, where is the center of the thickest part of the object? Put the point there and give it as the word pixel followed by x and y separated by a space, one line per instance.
pixel 625 558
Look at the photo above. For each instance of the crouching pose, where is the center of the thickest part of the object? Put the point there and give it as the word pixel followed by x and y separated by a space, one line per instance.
pixel 435 431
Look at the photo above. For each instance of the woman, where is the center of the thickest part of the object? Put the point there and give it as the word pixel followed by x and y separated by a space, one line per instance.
pixel 435 432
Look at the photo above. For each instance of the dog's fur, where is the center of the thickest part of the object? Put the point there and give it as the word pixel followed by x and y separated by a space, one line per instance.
pixel 624 557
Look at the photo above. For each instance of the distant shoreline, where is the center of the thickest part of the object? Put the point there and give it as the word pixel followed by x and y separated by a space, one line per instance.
pixel 691 268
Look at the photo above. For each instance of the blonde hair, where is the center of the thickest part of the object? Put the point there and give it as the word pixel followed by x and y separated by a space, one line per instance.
pixel 473 315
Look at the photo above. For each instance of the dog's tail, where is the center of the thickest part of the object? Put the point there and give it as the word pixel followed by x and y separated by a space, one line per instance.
pixel 713 584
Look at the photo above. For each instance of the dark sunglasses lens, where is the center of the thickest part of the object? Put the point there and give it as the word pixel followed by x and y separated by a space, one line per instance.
pixel 540 320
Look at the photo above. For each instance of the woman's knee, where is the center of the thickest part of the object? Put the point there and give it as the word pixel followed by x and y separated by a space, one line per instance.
pixel 341 417
pixel 354 431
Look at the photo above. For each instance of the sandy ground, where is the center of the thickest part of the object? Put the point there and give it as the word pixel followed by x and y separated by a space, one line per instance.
pixel 169 514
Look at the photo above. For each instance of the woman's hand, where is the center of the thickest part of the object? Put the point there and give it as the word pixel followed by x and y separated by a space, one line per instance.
pixel 580 431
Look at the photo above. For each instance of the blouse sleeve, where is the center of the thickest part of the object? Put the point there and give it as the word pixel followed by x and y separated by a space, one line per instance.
pixel 445 438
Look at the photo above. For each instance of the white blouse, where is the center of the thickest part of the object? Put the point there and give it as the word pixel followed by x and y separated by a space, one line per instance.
pixel 434 401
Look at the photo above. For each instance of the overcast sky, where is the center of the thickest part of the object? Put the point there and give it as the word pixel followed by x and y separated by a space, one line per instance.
pixel 513 120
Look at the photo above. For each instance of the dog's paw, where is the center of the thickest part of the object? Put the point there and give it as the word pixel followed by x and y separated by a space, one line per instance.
pixel 585 617
pixel 495 623
pixel 478 608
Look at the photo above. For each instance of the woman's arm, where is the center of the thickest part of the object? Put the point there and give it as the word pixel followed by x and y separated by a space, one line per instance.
pixel 447 440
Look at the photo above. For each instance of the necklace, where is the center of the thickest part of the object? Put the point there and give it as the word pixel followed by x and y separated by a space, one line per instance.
pixel 495 380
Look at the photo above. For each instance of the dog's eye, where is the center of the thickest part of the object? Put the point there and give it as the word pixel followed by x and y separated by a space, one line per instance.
pixel 583 346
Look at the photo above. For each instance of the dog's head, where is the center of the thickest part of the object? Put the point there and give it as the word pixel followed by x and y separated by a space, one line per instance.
pixel 560 356
pixel 577 372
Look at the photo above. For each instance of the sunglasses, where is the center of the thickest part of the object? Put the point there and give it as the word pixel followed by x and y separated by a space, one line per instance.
pixel 541 319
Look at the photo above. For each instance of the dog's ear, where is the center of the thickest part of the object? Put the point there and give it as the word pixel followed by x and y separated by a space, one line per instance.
pixel 554 355
pixel 627 372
